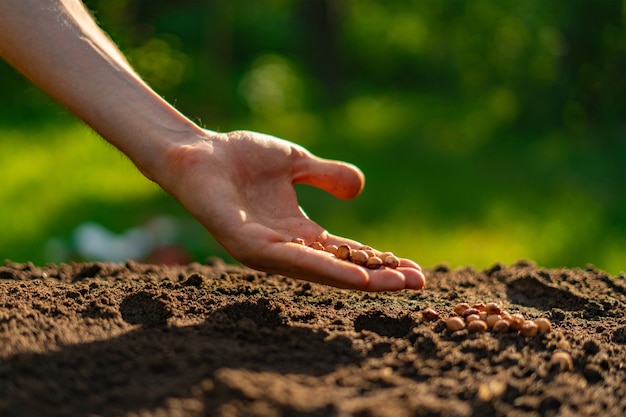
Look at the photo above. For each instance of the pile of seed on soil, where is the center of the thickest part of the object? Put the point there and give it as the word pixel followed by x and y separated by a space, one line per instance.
pixel 100 339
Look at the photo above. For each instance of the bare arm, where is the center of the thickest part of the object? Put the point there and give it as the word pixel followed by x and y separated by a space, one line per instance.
pixel 238 185
pixel 59 47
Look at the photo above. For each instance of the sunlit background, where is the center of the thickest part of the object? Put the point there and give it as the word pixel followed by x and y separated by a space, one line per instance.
pixel 488 131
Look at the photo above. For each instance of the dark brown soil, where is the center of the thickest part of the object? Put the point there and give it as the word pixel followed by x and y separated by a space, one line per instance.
pixel 98 339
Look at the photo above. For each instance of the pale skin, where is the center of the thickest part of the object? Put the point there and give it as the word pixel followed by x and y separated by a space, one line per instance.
pixel 238 185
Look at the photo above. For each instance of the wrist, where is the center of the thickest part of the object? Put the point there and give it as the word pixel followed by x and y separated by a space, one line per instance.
pixel 176 155
pixel 156 146
pixel 142 125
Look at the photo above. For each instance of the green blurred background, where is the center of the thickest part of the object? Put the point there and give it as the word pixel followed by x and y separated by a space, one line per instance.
pixel 488 131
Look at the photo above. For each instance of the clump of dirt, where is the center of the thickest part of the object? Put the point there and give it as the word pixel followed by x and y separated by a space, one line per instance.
pixel 102 339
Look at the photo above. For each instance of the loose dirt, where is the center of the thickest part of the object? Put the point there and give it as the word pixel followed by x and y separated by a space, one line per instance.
pixel 101 339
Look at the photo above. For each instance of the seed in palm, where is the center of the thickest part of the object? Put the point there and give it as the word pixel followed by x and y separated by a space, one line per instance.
pixel 358 257
pixel 316 245
pixel 391 261
pixel 343 252
pixel 374 262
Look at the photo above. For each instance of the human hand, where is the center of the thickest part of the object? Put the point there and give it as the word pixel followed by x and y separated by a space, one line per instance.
pixel 240 187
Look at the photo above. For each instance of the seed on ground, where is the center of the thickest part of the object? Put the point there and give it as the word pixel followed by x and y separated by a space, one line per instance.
pixel 482 317
pixel 479 306
pixel 528 329
pixel 563 344
pixel 472 317
pixel 470 311
pixel 455 324
pixel 492 319
pixel 493 308
pixel 460 308
pixel 430 314
pixel 477 326
pixel 516 321
pixel 543 325
pixel 316 246
pixel 562 360
pixel 501 326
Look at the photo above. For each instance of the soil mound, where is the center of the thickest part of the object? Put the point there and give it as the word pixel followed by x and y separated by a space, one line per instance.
pixel 101 339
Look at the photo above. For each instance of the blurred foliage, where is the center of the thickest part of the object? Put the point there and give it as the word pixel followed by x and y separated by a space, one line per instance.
pixel 488 130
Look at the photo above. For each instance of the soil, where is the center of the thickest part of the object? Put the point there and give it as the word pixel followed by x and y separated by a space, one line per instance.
pixel 102 339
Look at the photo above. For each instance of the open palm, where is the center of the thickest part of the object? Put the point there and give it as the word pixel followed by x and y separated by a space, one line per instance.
pixel 240 187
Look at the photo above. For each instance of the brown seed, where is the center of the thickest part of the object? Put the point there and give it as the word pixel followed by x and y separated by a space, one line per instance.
pixel 501 326
pixel 505 315
pixel 477 326
pixel 470 311
pixel 365 247
pixel 543 325
pixel 369 252
pixel 493 308
pixel 359 257
pixel 529 329
pixel 472 317
pixel 374 262
pixel 455 324
pixel 460 308
pixel 316 246
pixel 385 254
pixel 479 306
pixel 563 344
pixel 516 321
pixel 298 240
pixel 483 315
pixel 391 261
pixel 343 252
pixel 430 314
pixel 562 360
pixel 491 389
pixel 331 249
pixel 492 319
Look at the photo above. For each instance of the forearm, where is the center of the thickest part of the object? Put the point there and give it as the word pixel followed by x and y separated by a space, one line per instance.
pixel 59 47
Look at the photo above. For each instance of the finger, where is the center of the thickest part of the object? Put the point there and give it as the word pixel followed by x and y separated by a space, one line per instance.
pixel 385 279
pixel 340 179
pixel 306 263
pixel 321 267
pixel 409 264
pixel 336 240
pixel 415 279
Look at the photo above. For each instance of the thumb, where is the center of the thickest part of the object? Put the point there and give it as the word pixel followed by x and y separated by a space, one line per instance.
pixel 341 179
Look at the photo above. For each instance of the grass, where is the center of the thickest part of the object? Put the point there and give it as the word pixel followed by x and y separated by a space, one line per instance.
pixel 58 177
pixel 556 205
pixel 553 199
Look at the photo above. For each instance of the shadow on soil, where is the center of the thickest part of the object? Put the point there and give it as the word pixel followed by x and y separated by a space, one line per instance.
pixel 157 362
